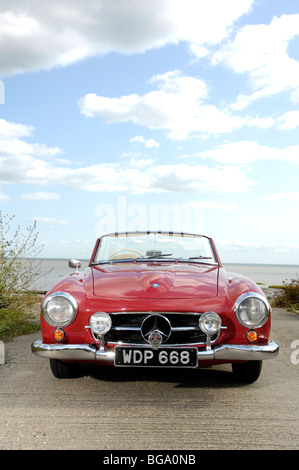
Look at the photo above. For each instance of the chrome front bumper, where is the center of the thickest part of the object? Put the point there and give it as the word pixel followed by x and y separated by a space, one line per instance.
pixel 84 352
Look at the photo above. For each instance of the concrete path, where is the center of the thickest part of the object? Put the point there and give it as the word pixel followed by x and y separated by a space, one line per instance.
pixel 151 409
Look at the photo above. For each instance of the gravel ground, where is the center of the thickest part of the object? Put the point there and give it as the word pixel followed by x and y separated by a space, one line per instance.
pixel 152 409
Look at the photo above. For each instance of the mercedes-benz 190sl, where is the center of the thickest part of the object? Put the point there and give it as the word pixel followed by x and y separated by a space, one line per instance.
pixel 155 299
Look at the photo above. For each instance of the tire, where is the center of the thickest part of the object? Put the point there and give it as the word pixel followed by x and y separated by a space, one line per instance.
pixel 247 372
pixel 64 370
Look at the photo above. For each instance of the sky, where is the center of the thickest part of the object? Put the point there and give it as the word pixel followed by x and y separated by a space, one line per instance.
pixel 177 115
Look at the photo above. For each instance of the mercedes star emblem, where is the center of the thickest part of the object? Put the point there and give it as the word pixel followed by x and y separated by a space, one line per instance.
pixel 155 329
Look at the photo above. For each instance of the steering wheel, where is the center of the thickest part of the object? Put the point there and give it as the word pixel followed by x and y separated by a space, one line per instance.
pixel 125 249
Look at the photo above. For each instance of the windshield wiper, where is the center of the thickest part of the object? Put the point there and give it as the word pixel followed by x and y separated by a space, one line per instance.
pixel 160 255
pixel 201 257
pixel 156 256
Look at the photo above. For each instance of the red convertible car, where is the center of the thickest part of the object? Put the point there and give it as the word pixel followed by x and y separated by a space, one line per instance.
pixel 155 299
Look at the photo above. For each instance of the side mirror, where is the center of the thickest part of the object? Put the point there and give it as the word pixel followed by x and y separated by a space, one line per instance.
pixel 74 263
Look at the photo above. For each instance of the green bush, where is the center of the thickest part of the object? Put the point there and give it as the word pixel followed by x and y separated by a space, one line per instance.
pixel 288 295
pixel 19 268
pixel 15 322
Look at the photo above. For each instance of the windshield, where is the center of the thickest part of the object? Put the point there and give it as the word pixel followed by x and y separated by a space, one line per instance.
pixel 154 246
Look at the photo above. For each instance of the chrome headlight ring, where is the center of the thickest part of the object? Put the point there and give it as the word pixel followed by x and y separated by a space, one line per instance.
pixel 59 309
pixel 100 323
pixel 252 310
pixel 210 323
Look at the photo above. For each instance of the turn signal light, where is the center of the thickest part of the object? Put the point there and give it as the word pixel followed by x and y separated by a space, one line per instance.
pixel 251 336
pixel 59 334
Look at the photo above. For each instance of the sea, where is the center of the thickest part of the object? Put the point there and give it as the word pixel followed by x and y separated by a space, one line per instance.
pixel 264 274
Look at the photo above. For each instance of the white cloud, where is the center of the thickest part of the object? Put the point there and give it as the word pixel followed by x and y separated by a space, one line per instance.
pixel 149 143
pixel 199 178
pixel 136 176
pixel 262 123
pixel 291 196
pixel 158 178
pixel 245 152
pixel 260 246
pixel 199 51
pixel 140 162
pixel 41 35
pixel 20 160
pixel 41 196
pixel 50 220
pixel 213 205
pixel 12 142
pixel 4 197
pixel 177 105
pixel 262 52
pixel 289 120
pixel 11 129
pixel 295 96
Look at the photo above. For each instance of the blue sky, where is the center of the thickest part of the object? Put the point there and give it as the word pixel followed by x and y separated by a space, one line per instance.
pixel 161 114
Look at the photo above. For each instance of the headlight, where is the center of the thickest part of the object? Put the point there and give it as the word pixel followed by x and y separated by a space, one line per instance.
pixel 60 309
pixel 100 323
pixel 252 310
pixel 210 323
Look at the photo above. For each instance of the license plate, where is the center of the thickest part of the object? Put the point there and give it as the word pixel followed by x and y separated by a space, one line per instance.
pixel 162 357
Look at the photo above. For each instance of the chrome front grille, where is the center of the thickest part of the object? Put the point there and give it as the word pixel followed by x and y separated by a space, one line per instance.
pixel 126 328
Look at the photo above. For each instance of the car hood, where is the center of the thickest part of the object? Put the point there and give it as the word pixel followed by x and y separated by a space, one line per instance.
pixel 159 281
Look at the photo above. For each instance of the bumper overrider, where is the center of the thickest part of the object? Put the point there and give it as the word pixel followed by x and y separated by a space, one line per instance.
pixel 85 352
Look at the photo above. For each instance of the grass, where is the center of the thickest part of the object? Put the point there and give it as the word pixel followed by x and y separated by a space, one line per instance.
pixel 287 296
pixel 16 320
